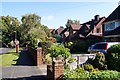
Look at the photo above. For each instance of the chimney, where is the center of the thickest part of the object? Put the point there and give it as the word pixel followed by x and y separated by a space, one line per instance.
pixel 97 17
pixel 118 3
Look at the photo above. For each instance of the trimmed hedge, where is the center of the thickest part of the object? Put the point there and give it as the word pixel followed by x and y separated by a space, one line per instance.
pixel 81 74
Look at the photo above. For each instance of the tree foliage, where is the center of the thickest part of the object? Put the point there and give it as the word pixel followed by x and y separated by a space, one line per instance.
pixel 29 30
pixel 32 30
pixel 59 50
pixel 69 22
pixel 8 25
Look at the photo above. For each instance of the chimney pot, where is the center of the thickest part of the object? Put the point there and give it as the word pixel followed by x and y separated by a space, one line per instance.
pixel 97 17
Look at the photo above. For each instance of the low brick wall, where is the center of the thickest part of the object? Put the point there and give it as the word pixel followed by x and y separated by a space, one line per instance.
pixel 56 70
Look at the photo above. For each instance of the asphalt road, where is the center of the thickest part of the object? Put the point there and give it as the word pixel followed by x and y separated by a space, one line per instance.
pixel 4 50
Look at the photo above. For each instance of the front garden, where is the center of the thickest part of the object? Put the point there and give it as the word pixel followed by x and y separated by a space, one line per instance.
pixel 100 68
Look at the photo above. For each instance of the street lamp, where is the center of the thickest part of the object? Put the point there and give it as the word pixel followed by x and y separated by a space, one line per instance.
pixel 15 35
pixel 16 42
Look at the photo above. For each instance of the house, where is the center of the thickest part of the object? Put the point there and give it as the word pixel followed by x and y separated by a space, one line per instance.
pixel 59 30
pixel 70 31
pixel 91 30
pixel 111 30
pixel 52 31
pixel 56 33
pixel 93 27
pixel 84 35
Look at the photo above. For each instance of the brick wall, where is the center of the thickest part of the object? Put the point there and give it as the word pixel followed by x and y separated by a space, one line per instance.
pixel 36 55
pixel 56 70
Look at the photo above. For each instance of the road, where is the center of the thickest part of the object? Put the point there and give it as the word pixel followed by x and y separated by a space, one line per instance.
pixel 4 50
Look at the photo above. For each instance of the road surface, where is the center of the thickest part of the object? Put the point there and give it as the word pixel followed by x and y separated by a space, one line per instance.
pixel 4 50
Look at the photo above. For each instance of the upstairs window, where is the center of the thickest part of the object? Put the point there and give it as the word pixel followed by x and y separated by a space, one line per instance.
pixel 109 26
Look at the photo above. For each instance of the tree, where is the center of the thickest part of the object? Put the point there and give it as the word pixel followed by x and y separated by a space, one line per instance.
pixel 32 30
pixel 8 25
pixel 69 22
pixel 47 31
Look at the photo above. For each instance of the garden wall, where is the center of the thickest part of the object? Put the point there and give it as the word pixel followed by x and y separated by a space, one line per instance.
pixel 81 59
pixel 36 55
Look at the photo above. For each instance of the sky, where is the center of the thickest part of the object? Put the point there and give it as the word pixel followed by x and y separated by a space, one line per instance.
pixel 56 14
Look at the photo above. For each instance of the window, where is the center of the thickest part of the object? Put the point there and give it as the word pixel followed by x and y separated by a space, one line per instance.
pixel 98 30
pixel 112 25
pixel 109 26
pixel 117 24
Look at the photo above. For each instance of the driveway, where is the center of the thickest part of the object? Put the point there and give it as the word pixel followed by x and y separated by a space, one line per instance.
pixel 4 50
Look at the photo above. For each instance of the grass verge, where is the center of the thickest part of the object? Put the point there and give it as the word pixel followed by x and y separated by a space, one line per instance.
pixel 9 59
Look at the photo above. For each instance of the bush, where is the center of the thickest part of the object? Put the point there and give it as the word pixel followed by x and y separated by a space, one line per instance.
pixel 113 57
pixel 99 61
pixel 114 49
pixel 88 67
pixel 71 59
pixel 45 46
pixel 80 73
pixel 59 50
pixel 48 59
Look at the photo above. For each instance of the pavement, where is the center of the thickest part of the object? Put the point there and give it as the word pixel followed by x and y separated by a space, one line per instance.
pixel 24 69
pixel 4 50
pixel 24 72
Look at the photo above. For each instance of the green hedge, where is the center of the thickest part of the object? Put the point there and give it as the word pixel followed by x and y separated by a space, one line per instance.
pixel 94 75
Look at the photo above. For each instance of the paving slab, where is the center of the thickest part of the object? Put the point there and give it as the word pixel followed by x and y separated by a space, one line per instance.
pixel 23 71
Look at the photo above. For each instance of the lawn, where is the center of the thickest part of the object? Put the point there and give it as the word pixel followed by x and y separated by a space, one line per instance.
pixel 9 58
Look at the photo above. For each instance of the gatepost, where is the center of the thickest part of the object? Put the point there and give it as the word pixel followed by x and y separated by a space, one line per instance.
pixel 56 70
pixel 39 56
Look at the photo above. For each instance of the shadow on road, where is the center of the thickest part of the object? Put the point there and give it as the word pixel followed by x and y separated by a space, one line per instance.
pixel 24 59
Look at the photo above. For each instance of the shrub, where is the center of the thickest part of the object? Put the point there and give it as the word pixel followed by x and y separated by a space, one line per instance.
pixel 88 67
pixel 45 46
pixel 114 49
pixel 99 61
pixel 106 74
pixel 71 59
pixel 59 50
pixel 48 59
pixel 113 57
pixel 98 75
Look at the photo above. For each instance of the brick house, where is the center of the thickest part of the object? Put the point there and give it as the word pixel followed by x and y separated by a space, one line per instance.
pixel 111 30
pixel 69 32
pixel 52 31
pixel 88 30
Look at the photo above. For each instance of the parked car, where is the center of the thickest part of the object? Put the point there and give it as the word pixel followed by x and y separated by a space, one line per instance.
pixel 101 47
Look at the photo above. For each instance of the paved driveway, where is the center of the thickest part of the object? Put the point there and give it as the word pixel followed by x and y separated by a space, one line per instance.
pixel 4 50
